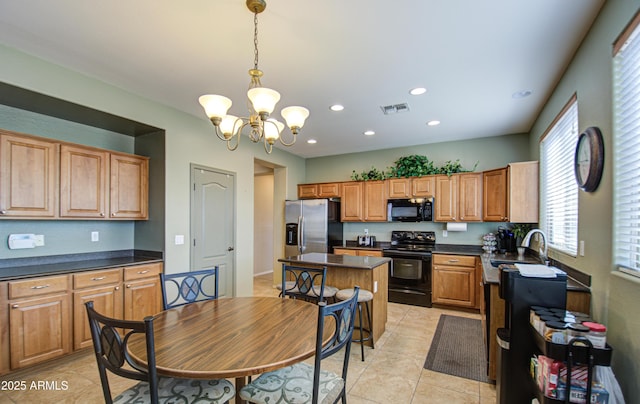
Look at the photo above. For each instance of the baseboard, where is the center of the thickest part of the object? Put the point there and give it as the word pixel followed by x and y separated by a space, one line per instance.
pixel 262 273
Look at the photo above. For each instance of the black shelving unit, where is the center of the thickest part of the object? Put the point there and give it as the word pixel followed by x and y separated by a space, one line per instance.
pixel 579 351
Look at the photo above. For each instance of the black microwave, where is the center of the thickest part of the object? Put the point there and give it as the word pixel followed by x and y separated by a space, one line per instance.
pixel 410 210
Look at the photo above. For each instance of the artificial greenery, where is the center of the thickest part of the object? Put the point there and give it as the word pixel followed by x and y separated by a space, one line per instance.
pixel 520 230
pixel 411 166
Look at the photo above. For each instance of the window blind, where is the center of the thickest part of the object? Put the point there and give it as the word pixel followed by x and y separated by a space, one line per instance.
pixel 559 190
pixel 626 143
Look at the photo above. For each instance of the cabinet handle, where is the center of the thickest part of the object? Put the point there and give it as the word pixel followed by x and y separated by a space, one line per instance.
pixel 128 286
pixel 143 272
pixel 117 287
pixel 101 214
pixel 15 306
pixel 462 218
pixel 99 279
pixel 2 212
pixel 40 287
pixel 454 260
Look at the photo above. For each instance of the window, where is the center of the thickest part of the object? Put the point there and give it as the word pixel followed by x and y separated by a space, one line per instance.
pixel 626 153
pixel 559 190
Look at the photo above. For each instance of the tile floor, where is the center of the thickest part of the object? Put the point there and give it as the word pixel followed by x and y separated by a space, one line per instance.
pixel 391 373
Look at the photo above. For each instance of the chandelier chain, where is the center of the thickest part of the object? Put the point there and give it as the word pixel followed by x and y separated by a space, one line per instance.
pixel 255 40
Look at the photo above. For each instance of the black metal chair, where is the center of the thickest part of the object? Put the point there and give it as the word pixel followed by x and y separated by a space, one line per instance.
pixel 306 284
pixel 302 382
pixel 188 287
pixel 110 338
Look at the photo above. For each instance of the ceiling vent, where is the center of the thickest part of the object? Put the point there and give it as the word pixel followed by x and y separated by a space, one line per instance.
pixel 394 109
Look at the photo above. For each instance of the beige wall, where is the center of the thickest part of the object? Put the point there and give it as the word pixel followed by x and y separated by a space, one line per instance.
pixel 263 250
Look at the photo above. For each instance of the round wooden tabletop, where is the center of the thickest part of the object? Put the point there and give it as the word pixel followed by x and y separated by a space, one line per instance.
pixel 233 337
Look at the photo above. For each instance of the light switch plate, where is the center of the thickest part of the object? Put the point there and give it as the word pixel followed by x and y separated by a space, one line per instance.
pixel 179 239
pixel 95 236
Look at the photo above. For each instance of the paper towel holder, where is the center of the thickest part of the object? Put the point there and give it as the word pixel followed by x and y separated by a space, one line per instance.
pixel 456 226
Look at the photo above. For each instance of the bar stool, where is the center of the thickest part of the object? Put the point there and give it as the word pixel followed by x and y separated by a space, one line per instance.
pixel 364 296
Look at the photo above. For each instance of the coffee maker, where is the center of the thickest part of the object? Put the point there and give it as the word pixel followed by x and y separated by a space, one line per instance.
pixel 506 241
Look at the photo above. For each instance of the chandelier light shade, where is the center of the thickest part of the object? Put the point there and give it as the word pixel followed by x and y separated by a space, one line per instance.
pixel 262 102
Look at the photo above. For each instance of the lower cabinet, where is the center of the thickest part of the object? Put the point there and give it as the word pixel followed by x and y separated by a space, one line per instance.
pixel 454 280
pixel 44 318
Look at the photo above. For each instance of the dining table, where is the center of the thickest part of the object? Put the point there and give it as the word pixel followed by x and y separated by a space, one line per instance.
pixel 233 337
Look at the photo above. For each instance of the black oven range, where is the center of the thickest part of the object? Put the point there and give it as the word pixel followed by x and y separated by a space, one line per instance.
pixel 410 270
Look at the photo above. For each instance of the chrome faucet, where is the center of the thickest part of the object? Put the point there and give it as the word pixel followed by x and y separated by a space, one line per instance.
pixel 527 240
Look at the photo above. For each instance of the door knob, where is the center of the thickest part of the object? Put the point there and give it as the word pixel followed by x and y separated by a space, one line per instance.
pixel 230 249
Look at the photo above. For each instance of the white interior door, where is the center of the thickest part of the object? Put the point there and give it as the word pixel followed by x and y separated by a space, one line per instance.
pixel 212 224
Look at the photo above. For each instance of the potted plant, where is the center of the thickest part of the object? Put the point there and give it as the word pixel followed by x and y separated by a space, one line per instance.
pixel 520 230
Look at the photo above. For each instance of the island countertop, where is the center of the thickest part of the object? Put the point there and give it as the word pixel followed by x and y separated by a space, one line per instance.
pixel 333 260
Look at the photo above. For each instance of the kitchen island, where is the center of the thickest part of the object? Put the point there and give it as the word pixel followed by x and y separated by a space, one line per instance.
pixel 347 271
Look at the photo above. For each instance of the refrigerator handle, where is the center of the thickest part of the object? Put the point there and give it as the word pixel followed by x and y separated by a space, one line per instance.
pixel 301 234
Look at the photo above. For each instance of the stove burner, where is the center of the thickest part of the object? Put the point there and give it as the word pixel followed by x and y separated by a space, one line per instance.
pixel 413 240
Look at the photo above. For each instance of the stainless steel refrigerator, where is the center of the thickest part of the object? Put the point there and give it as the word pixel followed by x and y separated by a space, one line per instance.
pixel 312 225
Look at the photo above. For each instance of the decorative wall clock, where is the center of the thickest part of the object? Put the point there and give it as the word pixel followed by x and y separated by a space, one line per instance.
pixel 589 159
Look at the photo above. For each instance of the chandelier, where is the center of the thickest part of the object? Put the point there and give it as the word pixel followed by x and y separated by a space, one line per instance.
pixel 261 103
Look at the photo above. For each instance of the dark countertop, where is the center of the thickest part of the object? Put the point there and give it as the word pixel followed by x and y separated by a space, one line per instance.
pixel 332 260
pixel 19 268
pixel 491 274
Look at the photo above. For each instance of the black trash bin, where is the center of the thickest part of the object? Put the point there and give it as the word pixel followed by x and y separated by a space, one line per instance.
pixel 503 395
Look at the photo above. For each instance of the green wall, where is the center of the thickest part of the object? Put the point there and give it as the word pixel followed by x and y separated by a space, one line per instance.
pixel 615 296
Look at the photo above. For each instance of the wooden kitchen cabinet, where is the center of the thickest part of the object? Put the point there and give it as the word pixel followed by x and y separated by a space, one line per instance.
pixel 364 201
pixel 454 280
pixel 357 252
pixel 129 186
pixel 83 182
pixel 39 314
pixel 142 292
pixel 28 176
pixel 423 187
pixel 458 197
pixel 511 193
pixel 104 288
pixel 320 190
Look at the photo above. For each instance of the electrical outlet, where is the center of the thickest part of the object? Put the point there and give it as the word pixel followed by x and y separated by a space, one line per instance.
pixel 39 240
pixel 581 248
pixel 95 236
pixel 375 286
pixel 445 233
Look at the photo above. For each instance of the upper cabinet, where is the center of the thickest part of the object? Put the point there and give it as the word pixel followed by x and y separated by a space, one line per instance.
pixel 28 177
pixel 129 186
pixel 83 182
pixel 41 179
pixel 511 193
pixel 458 198
pixel 321 190
pixel 364 201
pixel 411 187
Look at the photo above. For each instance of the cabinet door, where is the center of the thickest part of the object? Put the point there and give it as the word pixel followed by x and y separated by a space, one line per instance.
pixel 307 191
pixel 375 201
pixel 351 203
pixel 423 186
pixel 523 196
pixel 370 253
pixel 446 202
pixel 470 197
pixel 83 182
pixel 40 329
pixel 494 208
pixel 329 190
pixel 454 285
pixel 129 186
pixel 28 177
pixel 399 187
pixel 344 251
pixel 107 301
pixel 142 298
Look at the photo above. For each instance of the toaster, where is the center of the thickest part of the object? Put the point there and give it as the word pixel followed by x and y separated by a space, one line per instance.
pixel 366 241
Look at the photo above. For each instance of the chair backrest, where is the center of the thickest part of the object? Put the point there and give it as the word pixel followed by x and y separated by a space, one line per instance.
pixel 110 337
pixel 188 287
pixel 343 314
pixel 303 283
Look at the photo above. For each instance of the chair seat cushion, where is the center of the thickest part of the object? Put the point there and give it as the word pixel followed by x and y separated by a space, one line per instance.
pixel 172 390
pixel 363 295
pixel 329 291
pixel 293 384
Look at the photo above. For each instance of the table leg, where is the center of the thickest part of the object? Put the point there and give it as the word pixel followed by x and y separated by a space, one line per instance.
pixel 240 383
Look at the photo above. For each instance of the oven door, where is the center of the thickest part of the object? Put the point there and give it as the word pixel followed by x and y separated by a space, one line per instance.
pixel 410 279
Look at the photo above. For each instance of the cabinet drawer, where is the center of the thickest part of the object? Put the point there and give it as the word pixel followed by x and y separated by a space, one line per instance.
pixel 142 271
pixel 455 260
pixel 96 278
pixel 38 286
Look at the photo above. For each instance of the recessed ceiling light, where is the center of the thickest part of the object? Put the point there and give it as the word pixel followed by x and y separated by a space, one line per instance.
pixel 369 132
pixel 312 141
pixel 433 123
pixel 521 94
pixel 336 107
pixel 418 91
